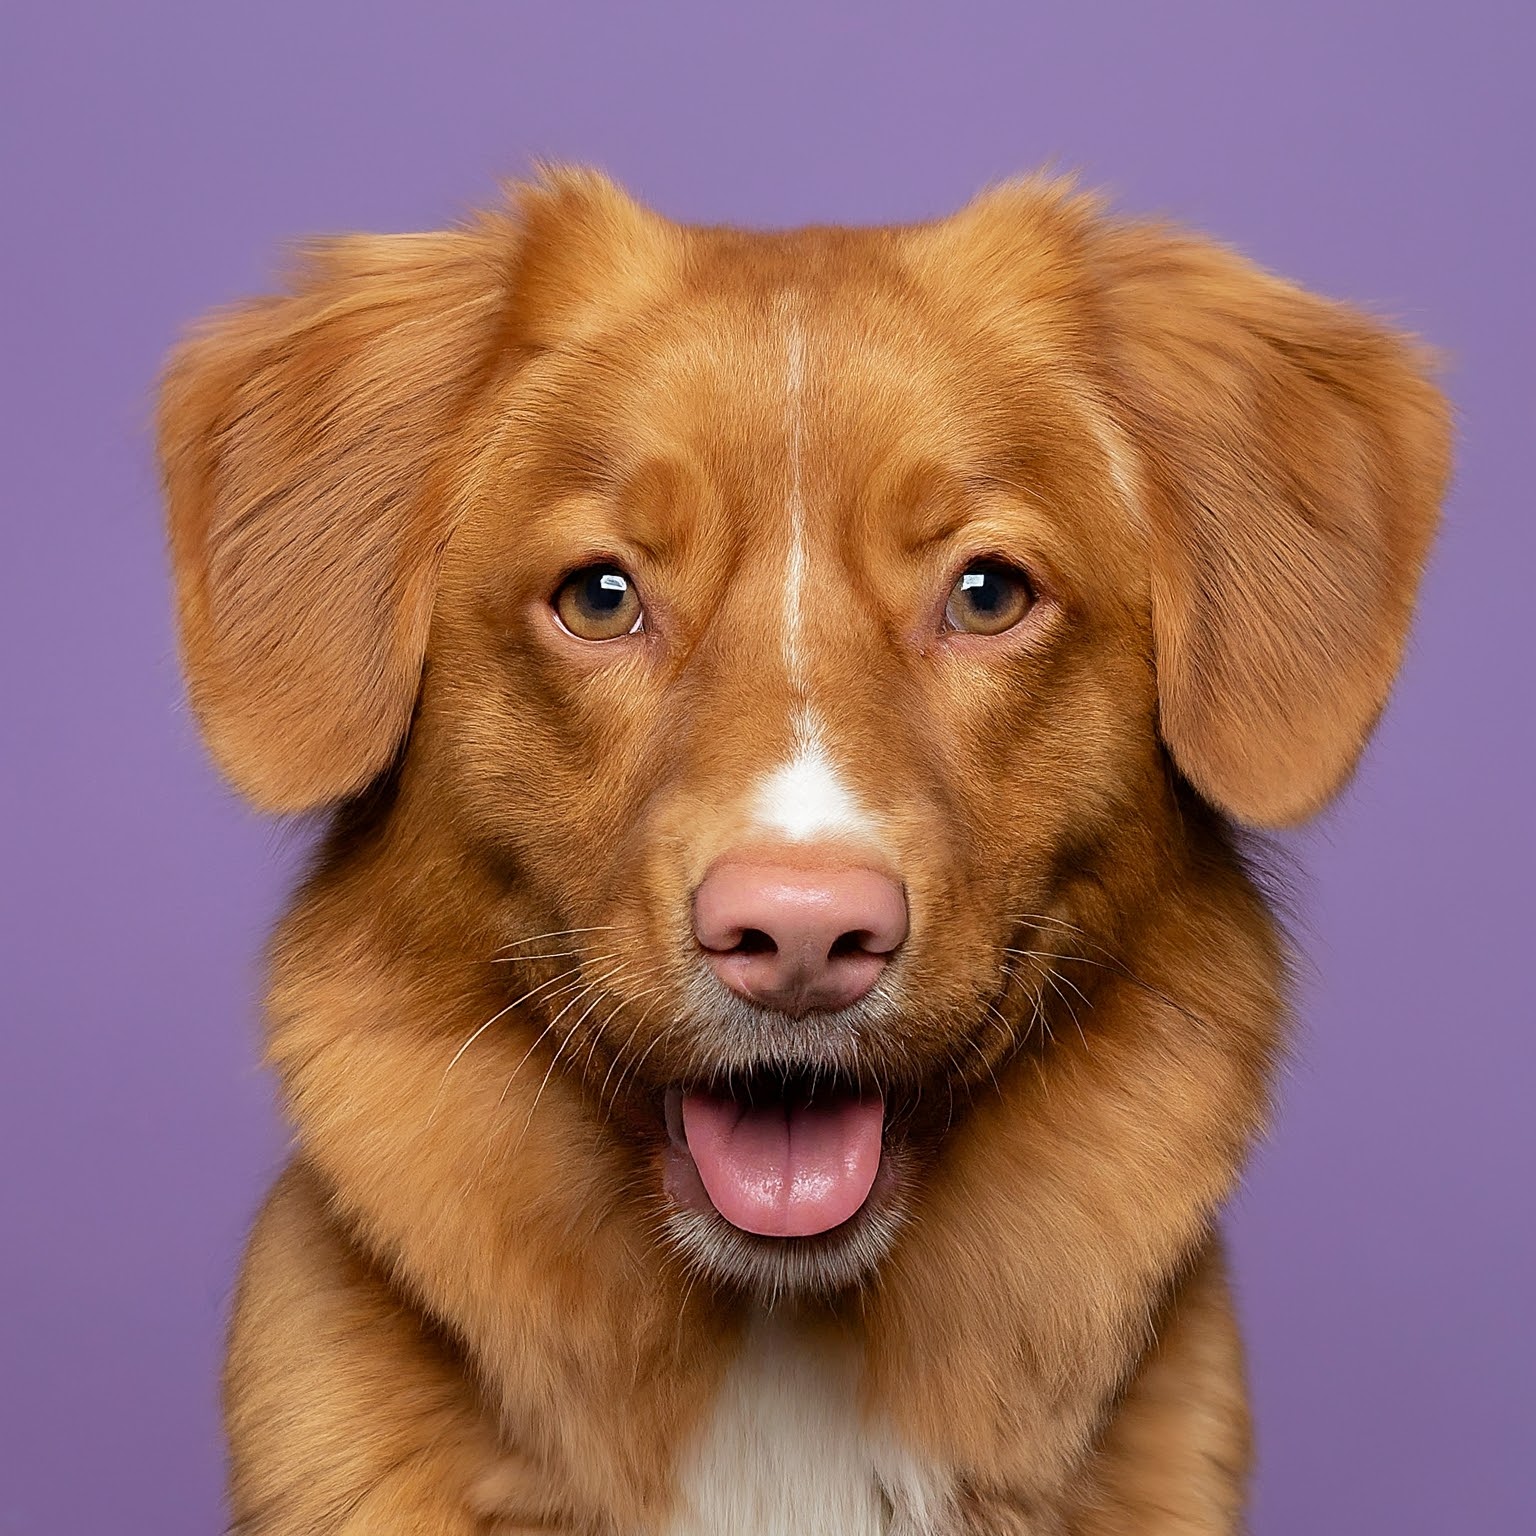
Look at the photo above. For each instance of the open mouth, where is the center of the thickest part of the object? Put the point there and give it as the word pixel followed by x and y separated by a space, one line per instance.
pixel 776 1154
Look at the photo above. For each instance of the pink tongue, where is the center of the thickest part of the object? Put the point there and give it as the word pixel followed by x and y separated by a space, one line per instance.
pixel 786 1170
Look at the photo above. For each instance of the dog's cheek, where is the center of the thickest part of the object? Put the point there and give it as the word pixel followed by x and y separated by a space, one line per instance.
pixel 530 772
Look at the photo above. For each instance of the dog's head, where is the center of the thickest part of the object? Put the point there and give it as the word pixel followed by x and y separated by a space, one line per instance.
pixel 780 647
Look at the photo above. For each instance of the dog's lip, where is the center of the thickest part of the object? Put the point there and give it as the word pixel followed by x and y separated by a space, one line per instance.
pixel 672 1113
pixel 680 1174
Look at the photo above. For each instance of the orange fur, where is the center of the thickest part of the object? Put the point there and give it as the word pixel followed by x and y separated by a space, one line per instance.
pixel 464 1309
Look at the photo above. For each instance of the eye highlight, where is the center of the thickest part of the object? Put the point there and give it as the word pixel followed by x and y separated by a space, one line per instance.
pixel 599 602
pixel 988 597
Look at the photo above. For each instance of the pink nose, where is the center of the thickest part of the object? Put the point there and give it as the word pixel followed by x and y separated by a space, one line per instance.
pixel 798 939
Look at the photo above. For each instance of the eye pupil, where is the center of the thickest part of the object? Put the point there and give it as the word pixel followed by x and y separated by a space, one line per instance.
pixel 986 591
pixel 606 590
pixel 598 602
pixel 988 598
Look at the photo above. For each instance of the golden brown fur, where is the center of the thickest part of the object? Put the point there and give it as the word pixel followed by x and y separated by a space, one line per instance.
pixel 463 1309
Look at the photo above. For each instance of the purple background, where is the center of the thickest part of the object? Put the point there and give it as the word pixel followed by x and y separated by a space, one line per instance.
pixel 156 155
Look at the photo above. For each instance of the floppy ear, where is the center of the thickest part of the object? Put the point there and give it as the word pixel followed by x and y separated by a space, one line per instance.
pixel 301 443
pixel 1295 455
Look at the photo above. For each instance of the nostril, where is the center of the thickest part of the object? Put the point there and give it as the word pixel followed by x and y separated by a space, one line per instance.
pixel 860 941
pixel 754 941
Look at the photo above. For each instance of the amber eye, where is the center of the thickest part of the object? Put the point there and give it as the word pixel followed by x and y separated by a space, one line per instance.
pixel 988 597
pixel 599 602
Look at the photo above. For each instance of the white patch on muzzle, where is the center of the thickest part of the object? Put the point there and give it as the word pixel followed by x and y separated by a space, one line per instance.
pixel 806 798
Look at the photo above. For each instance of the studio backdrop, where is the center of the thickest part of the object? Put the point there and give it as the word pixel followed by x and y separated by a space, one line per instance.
pixel 157 157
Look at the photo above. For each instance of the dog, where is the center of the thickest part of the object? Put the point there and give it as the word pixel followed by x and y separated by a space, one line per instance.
pixel 781 998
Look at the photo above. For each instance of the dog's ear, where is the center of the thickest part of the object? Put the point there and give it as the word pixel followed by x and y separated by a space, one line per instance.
pixel 301 444
pixel 1294 455
pixel 305 442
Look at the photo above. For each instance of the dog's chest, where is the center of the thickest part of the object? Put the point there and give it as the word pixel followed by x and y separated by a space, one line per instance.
pixel 785 1451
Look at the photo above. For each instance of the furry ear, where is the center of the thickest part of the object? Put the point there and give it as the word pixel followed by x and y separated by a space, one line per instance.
pixel 591 254
pixel 1295 456
pixel 301 441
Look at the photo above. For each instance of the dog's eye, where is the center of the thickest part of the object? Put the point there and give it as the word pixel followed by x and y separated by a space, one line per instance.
pixel 989 597
pixel 599 602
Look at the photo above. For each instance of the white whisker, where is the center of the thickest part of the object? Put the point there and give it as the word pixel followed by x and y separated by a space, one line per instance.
pixel 556 933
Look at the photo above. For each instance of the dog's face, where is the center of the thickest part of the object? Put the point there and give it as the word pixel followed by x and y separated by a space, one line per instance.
pixel 788 693
pixel 792 632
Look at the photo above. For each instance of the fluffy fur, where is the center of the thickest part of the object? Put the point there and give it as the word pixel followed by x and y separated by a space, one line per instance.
pixel 469 1305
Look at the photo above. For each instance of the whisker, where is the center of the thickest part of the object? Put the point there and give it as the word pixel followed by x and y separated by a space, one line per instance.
pixel 1056 980
pixel 595 1034
pixel 620 1003
pixel 1053 980
pixel 566 1038
pixel 1116 964
pixel 581 990
pixel 618 1055
pixel 1007 1035
pixel 1040 954
pixel 500 1013
pixel 556 933
pixel 634 1068
pixel 1038 1016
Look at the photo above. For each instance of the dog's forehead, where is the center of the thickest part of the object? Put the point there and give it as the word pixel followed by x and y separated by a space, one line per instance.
pixel 821 369
pixel 732 380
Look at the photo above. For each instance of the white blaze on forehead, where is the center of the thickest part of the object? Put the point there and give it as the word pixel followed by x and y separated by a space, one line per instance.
pixel 806 797
pixel 794 565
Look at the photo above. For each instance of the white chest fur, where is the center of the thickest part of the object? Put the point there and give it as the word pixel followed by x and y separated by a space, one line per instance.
pixel 786 1451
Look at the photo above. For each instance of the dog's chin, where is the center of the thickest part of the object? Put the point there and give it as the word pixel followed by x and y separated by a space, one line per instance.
pixel 772 1268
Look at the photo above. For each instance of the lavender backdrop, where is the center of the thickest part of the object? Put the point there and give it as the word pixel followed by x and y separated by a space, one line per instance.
pixel 154 158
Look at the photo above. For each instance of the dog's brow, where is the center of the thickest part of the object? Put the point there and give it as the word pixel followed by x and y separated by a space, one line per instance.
pixel 645 508
pixel 926 532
